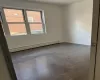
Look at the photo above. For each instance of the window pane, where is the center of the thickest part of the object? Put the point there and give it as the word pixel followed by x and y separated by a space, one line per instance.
pixel 17 29
pixel 34 16
pixel 13 15
pixel 36 28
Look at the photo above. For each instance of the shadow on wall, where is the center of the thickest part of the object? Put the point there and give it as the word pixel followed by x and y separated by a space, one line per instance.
pixel 79 22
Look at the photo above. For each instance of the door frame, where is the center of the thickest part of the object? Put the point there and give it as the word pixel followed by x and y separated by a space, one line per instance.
pixel 6 53
pixel 94 39
pixel 95 30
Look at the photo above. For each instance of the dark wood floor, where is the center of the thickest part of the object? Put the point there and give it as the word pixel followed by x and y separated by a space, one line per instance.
pixel 56 62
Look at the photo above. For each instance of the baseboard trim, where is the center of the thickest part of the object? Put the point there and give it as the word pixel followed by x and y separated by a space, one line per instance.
pixel 42 45
pixel 76 44
pixel 33 46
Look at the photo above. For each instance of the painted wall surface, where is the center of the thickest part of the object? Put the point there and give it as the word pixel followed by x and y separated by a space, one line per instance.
pixel 3 68
pixel 53 18
pixel 72 23
pixel 78 22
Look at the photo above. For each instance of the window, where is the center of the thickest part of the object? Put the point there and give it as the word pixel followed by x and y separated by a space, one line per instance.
pixel 35 21
pixel 15 21
pixel 20 22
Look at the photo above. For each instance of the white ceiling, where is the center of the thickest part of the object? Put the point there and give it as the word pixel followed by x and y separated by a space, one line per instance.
pixel 56 1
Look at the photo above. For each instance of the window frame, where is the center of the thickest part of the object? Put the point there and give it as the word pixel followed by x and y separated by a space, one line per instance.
pixel 42 20
pixel 25 18
pixel 5 23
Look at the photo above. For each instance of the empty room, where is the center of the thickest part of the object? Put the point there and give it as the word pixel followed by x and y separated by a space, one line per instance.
pixel 48 39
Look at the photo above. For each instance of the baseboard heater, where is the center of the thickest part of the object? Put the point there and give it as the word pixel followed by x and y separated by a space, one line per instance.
pixel 32 46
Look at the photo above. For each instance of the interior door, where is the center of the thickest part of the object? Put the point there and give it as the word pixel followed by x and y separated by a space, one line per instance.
pixel 97 67
pixel 94 44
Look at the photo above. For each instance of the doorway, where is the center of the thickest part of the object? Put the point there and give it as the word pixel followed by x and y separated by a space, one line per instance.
pixel 43 59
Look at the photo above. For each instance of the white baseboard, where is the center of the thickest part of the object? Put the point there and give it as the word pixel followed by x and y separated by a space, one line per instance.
pixel 77 43
pixel 39 45
pixel 32 46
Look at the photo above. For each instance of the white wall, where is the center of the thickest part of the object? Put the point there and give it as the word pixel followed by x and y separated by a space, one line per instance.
pixel 53 18
pixel 78 22
pixel 71 23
